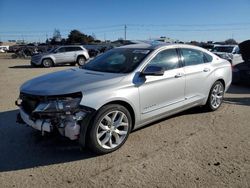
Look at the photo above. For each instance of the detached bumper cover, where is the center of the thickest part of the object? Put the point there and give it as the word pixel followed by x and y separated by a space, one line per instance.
pixel 41 125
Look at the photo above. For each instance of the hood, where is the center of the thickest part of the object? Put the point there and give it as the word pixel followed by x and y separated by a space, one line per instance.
pixel 69 81
pixel 38 56
pixel 245 50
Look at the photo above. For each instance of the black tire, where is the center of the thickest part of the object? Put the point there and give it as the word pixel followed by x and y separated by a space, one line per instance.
pixel 47 63
pixel 13 56
pixel 213 102
pixel 81 60
pixel 33 65
pixel 92 141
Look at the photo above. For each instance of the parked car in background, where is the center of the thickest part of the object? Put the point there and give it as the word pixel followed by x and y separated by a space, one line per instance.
pixel 241 71
pixel 123 89
pixel 61 55
pixel 4 49
pixel 228 52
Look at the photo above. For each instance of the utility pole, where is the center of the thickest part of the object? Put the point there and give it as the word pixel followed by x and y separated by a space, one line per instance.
pixel 125 32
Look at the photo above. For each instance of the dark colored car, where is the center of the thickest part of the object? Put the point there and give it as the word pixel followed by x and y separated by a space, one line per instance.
pixel 241 71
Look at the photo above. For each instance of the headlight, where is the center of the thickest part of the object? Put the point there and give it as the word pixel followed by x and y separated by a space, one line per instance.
pixel 58 106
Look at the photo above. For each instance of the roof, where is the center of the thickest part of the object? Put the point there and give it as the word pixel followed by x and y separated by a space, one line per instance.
pixel 152 45
pixel 225 45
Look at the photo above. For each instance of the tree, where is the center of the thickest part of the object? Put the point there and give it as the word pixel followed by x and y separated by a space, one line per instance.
pixel 76 36
pixel 57 35
pixel 230 41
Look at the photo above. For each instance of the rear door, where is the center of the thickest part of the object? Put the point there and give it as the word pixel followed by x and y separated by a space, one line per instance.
pixel 198 72
pixel 70 54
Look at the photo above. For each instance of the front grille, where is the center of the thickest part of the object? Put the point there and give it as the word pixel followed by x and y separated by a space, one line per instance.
pixel 29 102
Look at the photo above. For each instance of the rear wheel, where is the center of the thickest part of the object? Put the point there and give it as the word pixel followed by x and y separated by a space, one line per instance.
pixel 215 97
pixel 110 129
pixel 81 60
pixel 47 63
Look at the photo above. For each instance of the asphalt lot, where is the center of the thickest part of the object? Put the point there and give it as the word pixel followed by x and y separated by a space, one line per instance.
pixel 191 149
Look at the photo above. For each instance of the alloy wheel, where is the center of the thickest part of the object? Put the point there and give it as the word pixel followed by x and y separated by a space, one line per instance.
pixel 81 61
pixel 112 129
pixel 217 95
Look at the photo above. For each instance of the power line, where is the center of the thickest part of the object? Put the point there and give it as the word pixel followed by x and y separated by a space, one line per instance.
pixel 188 30
pixel 65 29
pixel 189 25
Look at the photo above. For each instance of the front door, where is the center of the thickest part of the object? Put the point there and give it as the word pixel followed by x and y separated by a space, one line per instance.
pixel 159 94
pixel 60 55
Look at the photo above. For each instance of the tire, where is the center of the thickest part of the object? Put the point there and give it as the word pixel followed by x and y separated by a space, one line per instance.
pixel 215 97
pixel 81 60
pixel 33 65
pixel 13 56
pixel 47 63
pixel 109 129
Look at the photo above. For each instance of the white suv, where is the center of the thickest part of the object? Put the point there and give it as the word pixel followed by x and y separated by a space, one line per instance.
pixel 61 55
pixel 228 52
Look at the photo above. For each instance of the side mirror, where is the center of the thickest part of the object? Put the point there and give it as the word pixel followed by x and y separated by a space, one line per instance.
pixel 153 71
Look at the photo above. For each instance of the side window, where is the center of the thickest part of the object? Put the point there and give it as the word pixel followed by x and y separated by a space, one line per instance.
pixel 68 49
pixel 193 57
pixel 168 59
pixel 78 48
pixel 72 49
pixel 61 50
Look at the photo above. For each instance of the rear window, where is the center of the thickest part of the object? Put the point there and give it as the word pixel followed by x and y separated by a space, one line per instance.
pixel 208 58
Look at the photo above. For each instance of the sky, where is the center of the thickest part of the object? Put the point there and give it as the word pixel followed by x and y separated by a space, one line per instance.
pixel 185 20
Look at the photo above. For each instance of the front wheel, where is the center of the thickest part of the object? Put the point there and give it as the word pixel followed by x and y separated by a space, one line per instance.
pixel 110 129
pixel 215 97
pixel 47 63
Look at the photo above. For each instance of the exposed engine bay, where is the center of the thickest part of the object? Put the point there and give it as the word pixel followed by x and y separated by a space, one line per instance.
pixel 52 112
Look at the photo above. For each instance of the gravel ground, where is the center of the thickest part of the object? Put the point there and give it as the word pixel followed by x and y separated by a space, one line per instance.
pixel 191 149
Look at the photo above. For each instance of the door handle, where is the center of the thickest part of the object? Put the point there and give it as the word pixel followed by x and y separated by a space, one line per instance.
pixel 178 75
pixel 206 70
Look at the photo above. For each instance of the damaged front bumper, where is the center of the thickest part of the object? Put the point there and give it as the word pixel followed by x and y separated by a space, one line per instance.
pixel 69 123
pixel 39 124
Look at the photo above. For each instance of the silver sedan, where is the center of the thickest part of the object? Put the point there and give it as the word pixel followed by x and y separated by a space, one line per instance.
pixel 124 89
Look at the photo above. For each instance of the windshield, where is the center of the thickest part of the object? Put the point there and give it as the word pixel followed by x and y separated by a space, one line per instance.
pixel 52 50
pixel 119 60
pixel 227 49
